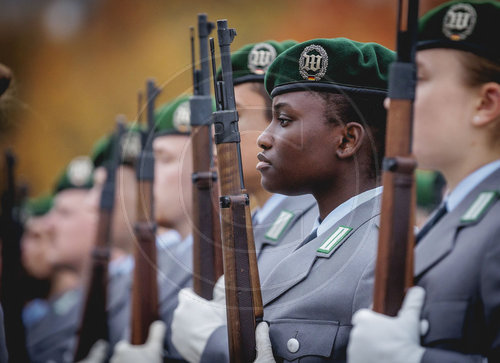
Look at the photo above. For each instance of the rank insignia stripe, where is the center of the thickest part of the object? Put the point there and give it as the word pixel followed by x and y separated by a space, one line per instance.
pixel 279 225
pixel 335 238
pixel 480 206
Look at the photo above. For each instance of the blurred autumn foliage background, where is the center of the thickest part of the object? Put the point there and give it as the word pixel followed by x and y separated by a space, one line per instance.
pixel 79 63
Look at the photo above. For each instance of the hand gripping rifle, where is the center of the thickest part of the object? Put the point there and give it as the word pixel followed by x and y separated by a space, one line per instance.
pixel 94 321
pixel 243 296
pixel 145 285
pixel 207 249
pixel 394 269
pixel 12 295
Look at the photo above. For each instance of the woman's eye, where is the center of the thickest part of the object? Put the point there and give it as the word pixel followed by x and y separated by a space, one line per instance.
pixel 284 122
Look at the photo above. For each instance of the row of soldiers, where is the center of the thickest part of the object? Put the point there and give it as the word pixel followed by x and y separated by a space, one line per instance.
pixel 306 150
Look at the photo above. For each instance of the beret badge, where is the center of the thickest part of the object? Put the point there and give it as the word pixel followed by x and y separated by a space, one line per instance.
pixel 80 170
pixel 182 117
pixel 260 57
pixel 313 62
pixel 131 146
pixel 459 21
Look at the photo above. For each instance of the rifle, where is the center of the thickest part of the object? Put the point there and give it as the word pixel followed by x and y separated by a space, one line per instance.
pixel 243 296
pixel 145 286
pixel 94 322
pixel 394 269
pixel 12 296
pixel 207 252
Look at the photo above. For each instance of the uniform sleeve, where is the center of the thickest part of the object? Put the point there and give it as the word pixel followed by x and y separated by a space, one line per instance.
pixel 490 297
pixel 217 348
pixel 490 294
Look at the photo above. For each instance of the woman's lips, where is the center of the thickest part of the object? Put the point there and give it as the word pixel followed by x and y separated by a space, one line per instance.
pixel 263 162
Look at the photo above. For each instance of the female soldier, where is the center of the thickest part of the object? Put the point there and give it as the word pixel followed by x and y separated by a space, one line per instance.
pixel 457 262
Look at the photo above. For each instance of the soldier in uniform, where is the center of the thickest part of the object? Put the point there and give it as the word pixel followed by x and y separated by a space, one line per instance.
pixel 172 204
pixel 280 222
pixel 72 223
pixel 124 216
pixel 35 247
pixel 326 138
pixel 453 315
pixel 35 242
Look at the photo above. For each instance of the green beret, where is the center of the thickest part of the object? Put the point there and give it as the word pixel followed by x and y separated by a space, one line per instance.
pixel 463 25
pixel 430 186
pixel 78 174
pixel 250 62
pixel 173 118
pixel 130 143
pixel 331 65
pixel 36 207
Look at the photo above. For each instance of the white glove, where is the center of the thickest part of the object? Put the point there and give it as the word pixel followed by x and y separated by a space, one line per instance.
pixel 263 344
pixel 381 338
pixel 98 352
pixel 195 319
pixel 149 352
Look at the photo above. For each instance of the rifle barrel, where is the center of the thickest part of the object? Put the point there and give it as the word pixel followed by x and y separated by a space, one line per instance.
pixel 243 296
pixel 394 268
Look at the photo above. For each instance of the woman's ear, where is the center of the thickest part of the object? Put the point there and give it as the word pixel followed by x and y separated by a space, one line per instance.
pixel 353 135
pixel 488 109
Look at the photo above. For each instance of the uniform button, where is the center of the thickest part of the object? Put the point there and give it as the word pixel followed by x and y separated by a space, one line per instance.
pixel 293 345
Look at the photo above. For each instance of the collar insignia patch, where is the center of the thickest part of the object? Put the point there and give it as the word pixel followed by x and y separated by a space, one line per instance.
pixel 479 207
pixel 279 225
pixel 334 240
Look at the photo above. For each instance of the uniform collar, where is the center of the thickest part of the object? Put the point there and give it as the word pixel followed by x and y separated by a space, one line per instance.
pixel 262 213
pixel 466 185
pixel 168 239
pixel 342 210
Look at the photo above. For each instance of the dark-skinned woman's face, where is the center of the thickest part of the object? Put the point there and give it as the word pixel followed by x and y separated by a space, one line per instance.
pixel 299 146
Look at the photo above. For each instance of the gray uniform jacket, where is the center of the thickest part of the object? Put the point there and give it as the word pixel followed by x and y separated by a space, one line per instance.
pixel 174 262
pixel 458 264
pixel 277 236
pixel 175 266
pixel 119 293
pixel 53 337
pixel 311 295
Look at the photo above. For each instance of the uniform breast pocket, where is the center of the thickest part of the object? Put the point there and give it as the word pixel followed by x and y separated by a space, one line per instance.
pixel 446 321
pixel 305 341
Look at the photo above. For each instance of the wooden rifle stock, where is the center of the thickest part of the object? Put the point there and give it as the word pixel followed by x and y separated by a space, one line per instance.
pixel 243 295
pixel 94 321
pixel 394 269
pixel 12 296
pixel 145 285
pixel 207 249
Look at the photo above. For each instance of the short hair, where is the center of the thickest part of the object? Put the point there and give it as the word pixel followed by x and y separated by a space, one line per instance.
pixel 365 109
pixel 478 71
